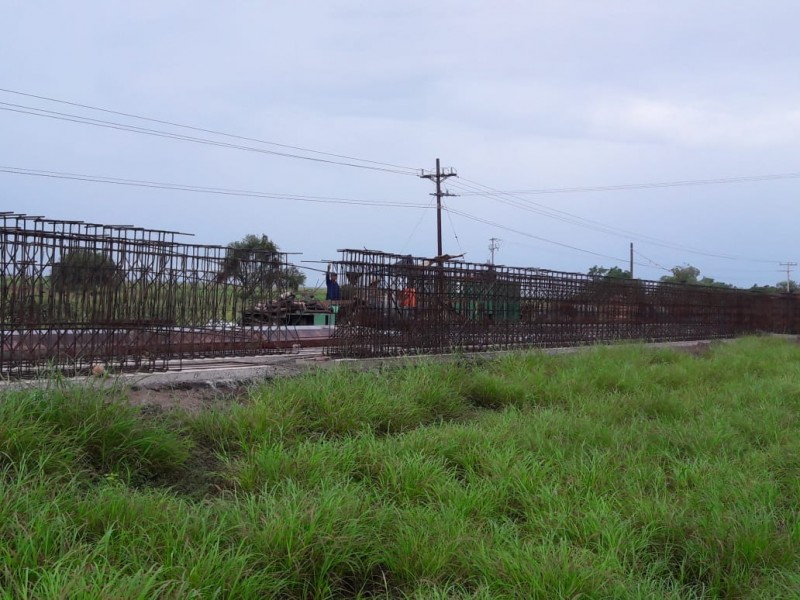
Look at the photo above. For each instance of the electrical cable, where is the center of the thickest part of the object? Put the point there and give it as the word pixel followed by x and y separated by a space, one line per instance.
pixel 469 188
pixel 652 262
pixel 38 112
pixel 530 235
pixel 652 185
pixel 619 260
pixel 549 212
pixel 204 190
pixel 597 226
pixel 414 230
pixel 592 225
pixel 453 227
pixel 201 129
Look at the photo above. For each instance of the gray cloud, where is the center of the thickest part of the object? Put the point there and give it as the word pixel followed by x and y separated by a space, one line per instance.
pixel 514 94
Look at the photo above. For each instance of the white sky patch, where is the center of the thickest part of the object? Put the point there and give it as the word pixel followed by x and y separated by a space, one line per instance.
pixel 700 124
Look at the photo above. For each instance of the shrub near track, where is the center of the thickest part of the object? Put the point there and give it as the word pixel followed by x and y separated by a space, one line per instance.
pixel 620 472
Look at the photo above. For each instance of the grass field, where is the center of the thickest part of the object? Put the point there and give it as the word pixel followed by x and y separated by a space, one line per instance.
pixel 620 472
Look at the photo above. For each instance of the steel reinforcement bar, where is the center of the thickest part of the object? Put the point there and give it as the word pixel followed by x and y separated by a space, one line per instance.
pixel 77 297
pixel 395 305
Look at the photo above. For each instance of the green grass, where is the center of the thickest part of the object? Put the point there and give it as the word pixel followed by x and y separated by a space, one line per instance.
pixel 620 472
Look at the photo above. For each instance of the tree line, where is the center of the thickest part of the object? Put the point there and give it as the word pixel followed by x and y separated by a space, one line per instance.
pixel 689 275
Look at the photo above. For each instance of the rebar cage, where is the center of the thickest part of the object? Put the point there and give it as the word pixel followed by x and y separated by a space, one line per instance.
pixel 76 295
pixel 394 304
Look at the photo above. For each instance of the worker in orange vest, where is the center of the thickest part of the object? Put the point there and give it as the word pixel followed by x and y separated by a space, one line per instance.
pixel 408 298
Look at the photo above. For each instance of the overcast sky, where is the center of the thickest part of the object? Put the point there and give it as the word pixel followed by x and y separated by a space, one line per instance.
pixel 515 95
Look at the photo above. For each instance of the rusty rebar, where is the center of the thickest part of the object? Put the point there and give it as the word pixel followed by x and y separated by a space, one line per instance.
pixel 394 304
pixel 76 295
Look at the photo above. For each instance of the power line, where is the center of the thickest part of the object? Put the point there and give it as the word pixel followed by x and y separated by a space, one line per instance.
pixel 606 188
pixel 201 129
pixel 204 190
pixel 60 116
pixel 455 235
pixel 543 210
pixel 571 219
pixel 560 215
pixel 414 230
pixel 652 262
pixel 269 195
pixel 652 185
pixel 530 235
pixel 520 244
pixel 487 192
pixel 597 226
pixel 716 270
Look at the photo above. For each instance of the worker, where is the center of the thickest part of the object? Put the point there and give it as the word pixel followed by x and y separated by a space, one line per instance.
pixel 408 297
pixel 333 293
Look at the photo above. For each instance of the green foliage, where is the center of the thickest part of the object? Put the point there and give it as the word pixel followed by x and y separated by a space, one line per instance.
pixel 85 270
pixel 779 288
pixel 622 472
pixel 685 274
pixel 613 272
pixel 252 244
pixel 255 264
pixel 711 282
pixel 691 275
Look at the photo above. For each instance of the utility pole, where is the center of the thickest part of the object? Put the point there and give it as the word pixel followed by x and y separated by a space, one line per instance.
pixel 631 260
pixel 494 246
pixel 439 176
pixel 788 266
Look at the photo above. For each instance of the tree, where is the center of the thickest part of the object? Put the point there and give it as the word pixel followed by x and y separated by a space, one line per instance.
pixel 686 274
pixel 85 270
pixel 613 272
pixel 292 278
pixel 691 275
pixel 256 264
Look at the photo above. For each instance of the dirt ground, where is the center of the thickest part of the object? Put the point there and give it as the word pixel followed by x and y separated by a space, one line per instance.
pixel 698 349
pixel 191 400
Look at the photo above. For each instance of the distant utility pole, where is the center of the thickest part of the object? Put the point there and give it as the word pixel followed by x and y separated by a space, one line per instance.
pixel 631 260
pixel 439 176
pixel 788 266
pixel 494 246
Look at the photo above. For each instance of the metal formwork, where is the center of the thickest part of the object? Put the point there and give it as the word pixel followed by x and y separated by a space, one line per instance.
pixel 76 295
pixel 394 304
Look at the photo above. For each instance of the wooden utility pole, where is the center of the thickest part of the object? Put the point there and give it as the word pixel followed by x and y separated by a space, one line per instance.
pixel 439 176
pixel 788 266
pixel 631 260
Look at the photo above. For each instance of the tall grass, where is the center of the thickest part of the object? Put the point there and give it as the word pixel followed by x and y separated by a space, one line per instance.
pixel 70 429
pixel 619 472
